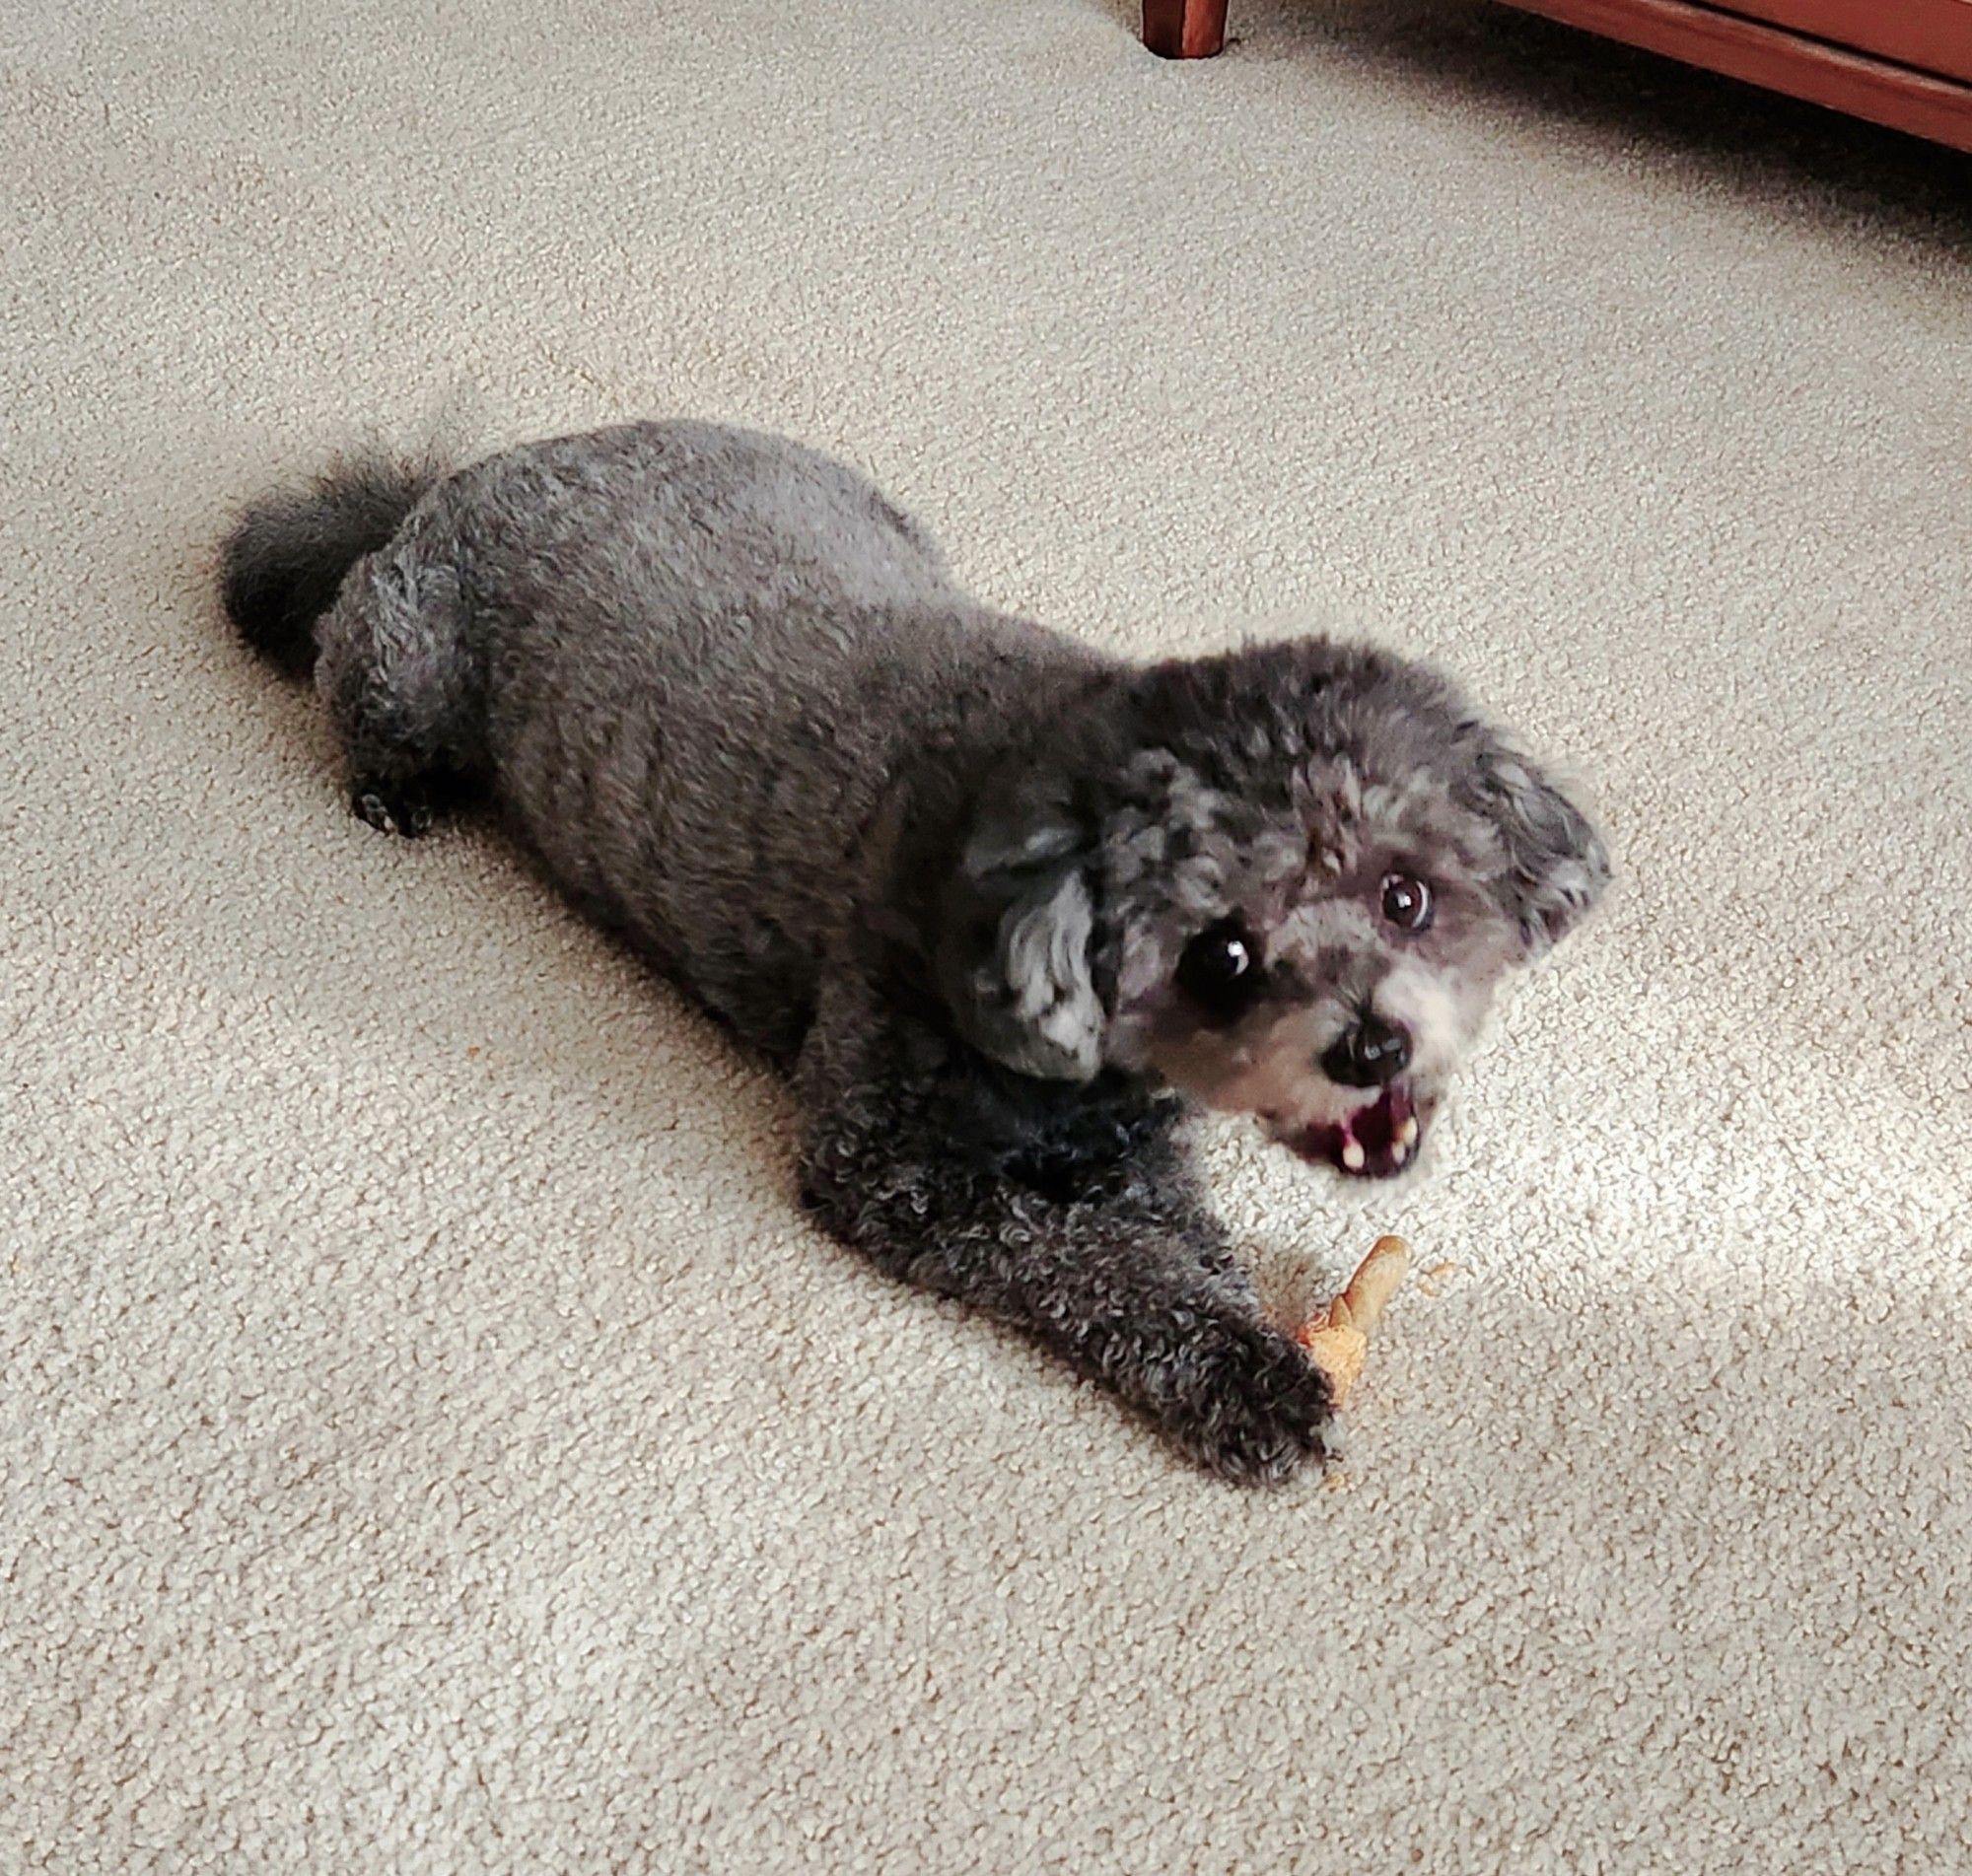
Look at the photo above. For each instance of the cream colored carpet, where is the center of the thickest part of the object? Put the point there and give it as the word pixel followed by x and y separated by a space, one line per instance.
pixel 430 1441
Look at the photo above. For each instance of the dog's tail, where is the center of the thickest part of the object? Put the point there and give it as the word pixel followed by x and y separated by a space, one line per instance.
pixel 282 563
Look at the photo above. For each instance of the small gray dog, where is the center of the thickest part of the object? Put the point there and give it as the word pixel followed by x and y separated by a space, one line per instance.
pixel 998 902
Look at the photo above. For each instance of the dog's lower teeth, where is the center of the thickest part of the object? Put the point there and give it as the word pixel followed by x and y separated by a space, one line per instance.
pixel 1399 1151
pixel 1352 1154
pixel 1407 1134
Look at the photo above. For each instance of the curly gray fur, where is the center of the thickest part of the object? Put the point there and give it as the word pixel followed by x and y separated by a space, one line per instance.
pixel 951 869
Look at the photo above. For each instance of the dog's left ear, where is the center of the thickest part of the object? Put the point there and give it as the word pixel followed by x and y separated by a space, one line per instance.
pixel 1557 863
pixel 1019 920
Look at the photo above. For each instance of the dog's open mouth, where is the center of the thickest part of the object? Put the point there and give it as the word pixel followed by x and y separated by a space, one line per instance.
pixel 1374 1143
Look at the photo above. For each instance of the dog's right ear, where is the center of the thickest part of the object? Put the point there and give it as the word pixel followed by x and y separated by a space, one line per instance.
pixel 1557 864
pixel 1018 924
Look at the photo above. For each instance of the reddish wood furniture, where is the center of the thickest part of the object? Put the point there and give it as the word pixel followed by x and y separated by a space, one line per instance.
pixel 1184 29
pixel 1907 63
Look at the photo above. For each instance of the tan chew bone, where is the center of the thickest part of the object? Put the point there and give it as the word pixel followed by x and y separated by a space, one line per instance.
pixel 1337 1336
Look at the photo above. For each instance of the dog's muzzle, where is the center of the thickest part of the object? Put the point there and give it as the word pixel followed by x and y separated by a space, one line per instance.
pixel 1370 1054
pixel 1377 1141
pixel 1380 1137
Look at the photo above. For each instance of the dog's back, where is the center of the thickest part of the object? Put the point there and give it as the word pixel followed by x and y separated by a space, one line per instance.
pixel 688 660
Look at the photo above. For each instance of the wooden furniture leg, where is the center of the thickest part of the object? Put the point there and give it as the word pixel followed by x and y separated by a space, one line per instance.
pixel 1184 29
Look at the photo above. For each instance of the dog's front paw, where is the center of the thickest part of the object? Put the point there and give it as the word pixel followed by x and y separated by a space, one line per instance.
pixel 1249 1403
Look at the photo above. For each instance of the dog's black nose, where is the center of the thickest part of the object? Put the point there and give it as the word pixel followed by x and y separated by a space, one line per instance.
pixel 1370 1054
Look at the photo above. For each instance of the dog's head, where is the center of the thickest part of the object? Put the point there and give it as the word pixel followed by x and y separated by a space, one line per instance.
pixel 1288 880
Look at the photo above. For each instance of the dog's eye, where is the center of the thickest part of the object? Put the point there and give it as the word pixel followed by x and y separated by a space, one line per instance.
pixel 1219 969
pixel 1407 902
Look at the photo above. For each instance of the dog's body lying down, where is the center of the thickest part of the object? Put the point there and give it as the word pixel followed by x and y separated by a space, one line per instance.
pixel 991 896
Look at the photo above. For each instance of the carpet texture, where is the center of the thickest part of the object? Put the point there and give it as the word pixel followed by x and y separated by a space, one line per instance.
pixel 431 1441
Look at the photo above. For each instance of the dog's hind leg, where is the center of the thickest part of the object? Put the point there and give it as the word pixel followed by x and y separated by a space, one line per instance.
pixel 401 680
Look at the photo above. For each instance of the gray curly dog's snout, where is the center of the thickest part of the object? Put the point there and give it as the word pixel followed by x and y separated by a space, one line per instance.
pixel 1372 1053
